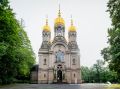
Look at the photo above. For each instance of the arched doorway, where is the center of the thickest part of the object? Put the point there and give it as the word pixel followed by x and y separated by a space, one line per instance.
pixel 59 76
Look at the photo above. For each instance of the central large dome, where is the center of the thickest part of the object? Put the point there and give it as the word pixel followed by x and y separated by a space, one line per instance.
pixel 59 20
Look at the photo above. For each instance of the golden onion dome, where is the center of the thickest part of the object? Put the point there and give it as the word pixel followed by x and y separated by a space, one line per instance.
pixel 46 27
pixel 72 28
pixel 59 19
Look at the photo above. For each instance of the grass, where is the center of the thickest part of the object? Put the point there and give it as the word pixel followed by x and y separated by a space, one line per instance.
pixel 114 86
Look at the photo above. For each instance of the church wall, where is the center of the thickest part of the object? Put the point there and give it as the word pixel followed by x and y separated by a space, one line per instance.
pixel 51 60
pixel 72 36
pixel 67 60
pixel 78 61
pixel 43 76
pixel 68 76
pixel 50 76
pixel 46 36
pixel 73 57
pixel 79 76
pixel 74 76
pixel 75 64
pixel 42 63
pixel 43 68
pixel 75 69
pixel 46 75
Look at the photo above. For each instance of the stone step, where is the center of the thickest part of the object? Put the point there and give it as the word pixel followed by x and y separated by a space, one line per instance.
pixel 60 83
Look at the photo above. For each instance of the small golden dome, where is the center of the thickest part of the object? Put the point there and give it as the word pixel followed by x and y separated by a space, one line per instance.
pixel 72 28
pixel 46 27
pixel 59 19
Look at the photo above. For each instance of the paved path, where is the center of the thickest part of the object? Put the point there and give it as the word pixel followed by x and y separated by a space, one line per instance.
pixel 55 86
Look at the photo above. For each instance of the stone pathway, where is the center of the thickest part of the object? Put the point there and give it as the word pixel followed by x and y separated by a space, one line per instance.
pixel 55 86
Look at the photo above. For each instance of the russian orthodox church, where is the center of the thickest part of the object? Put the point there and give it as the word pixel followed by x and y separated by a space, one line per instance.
pixel 59 60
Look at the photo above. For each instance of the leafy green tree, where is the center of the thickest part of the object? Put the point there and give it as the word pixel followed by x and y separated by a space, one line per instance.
pixel 16 55
pixel 112 52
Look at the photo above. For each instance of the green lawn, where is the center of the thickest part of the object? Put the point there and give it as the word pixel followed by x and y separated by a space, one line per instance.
pixel 114 86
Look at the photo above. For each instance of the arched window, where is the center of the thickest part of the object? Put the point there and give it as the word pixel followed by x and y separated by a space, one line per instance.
pixel 73 62
pixel 44 75
pixel 59 56
pixel 44 61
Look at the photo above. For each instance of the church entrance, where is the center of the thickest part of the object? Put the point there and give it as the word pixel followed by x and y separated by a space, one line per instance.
pixel 59 76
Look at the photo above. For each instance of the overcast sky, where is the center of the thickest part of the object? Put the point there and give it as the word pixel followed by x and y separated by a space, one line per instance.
pixel 89 16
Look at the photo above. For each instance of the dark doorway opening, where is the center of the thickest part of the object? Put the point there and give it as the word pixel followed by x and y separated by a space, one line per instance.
pixel 59 76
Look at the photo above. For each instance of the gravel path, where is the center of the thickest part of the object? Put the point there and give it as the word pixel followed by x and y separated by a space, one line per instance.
pixel 55 86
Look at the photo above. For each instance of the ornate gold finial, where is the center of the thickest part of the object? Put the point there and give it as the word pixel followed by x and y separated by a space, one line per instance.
pixel 71 21
pixel 46 27
pixel 59 13
pixel 59 19
pixel 46 19
pixel 72 28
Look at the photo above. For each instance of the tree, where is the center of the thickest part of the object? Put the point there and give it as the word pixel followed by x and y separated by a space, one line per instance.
pixel 98 68
pixel 112 52
pixel 98 73
pixel 85 72
pixel 16 55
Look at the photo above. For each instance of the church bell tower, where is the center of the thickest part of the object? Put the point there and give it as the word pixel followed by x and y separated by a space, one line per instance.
pixel 46 34
pixel 72 35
